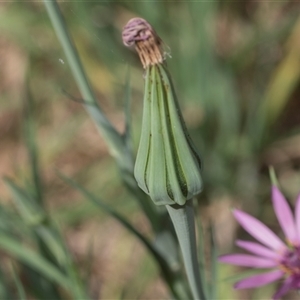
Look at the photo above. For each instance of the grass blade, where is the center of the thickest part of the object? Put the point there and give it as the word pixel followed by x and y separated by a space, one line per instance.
pixel 28 209
pixel 29 133
pixel 128 133
pixel 18 284
pixel 118 144
pixel 112 137
pixel 214 264
pixel 34 260
pixel 169 276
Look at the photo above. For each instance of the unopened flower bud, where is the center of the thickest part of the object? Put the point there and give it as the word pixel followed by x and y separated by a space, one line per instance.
pixel 138 32
pixel 167 166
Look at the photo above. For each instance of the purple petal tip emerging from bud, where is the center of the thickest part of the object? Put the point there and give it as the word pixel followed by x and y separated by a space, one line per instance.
pixel 139 32
pixel 135 30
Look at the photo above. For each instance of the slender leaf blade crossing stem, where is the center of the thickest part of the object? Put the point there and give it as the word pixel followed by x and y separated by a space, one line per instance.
pixel 118 145
pixel 112 137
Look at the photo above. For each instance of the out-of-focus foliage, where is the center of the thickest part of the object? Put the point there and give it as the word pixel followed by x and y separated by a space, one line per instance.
pixel 235 67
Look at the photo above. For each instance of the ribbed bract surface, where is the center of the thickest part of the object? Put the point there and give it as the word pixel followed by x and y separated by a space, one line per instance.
pixel 167 166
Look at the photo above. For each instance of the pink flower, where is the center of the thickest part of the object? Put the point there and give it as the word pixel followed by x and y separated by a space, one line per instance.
pixel 271 251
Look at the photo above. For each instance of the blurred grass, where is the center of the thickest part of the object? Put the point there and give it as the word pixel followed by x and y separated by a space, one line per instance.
pixel 235 68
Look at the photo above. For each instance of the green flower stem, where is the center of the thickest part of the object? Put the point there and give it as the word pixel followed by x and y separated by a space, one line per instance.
pixel 184 223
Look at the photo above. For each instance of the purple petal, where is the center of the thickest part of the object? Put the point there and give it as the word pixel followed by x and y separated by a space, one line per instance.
pixel 258 249
pixel 297 215
pixel 258 230
pixel 287 285
pixel 258 280
pixel 284 215
pixel 247 260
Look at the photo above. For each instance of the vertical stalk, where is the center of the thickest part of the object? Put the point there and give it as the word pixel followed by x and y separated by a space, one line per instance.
pixel 184 223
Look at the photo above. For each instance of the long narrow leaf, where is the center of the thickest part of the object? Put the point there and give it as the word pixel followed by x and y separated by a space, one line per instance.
pixel 112 137
pixel 201 253
pixel 169 276
pixel 18 284
pixel 29 132
pixel 128 133
pixel 32 259
pixel 118 144
pixel 27 207
pixel 5 293
pixel 214 265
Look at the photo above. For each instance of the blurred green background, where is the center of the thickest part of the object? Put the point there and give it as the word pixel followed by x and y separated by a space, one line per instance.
pixel 236 70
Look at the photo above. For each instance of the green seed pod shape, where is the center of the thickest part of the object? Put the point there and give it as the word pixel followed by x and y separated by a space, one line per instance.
pixel 167 166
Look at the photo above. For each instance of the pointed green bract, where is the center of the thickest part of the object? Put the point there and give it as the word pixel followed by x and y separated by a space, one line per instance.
pixel 167 166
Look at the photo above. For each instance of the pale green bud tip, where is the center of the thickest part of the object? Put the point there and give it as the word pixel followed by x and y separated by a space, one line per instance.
pixel 139 32
pixel 167 165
